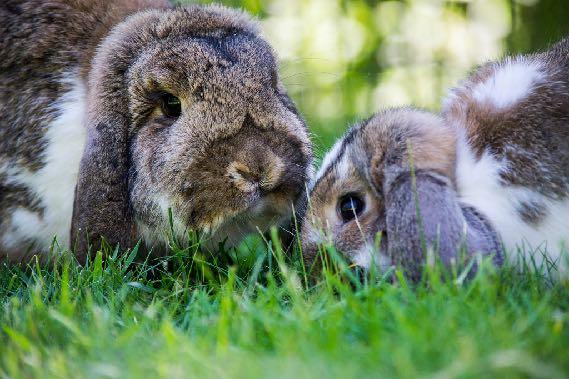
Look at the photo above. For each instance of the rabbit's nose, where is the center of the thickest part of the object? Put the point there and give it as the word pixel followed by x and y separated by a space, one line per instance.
pixel 263 175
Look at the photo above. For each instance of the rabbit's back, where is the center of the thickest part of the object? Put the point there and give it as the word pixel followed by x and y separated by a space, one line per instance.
pixel 513 149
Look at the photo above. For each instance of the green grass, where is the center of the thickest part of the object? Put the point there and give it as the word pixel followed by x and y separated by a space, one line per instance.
pixel 257 316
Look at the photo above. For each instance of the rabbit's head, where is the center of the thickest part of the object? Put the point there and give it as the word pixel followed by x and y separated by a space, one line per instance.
pixel 348 206
pixel 187 112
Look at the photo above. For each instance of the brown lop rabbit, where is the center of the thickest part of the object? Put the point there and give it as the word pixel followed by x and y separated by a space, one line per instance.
pixel 114 112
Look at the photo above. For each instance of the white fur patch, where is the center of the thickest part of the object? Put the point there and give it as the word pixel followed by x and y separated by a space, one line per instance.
pixel 368 256
pixel 511 82
pixel 330 157
pixel 343 168
pixel 479 185
pixel 153 235
pixel 54 184
pixel 23 226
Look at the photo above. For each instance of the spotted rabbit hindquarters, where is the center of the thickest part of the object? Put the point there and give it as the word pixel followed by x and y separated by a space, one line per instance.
pixel 512 122
pixel 142 108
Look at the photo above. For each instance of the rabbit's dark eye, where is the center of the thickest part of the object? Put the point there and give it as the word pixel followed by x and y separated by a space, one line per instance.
pixel 171 106
pixel 350 206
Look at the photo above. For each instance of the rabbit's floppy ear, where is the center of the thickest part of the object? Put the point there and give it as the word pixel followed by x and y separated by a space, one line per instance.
pixel 101 205
pixel 422 212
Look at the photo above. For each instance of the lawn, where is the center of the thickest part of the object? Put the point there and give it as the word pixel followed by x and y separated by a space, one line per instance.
pixel 253 313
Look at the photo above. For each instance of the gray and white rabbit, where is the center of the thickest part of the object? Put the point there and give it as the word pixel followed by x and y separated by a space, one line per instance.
pixel 492 172
pixel 114 112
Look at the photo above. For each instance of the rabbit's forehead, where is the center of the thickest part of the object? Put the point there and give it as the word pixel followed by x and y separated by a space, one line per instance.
pixel 211 19
pixel 184 64
pixel 192 46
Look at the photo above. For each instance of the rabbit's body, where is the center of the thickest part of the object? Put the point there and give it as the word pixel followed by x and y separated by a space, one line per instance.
pixel 494 167
pixel 43 108
pixel 37 195
pixel 512 123
pixel 84 147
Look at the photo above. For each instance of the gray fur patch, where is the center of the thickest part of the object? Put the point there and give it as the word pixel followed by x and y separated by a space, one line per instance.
pixel 532 212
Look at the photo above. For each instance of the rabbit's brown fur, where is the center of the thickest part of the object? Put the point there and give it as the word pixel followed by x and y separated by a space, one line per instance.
pixel 138 162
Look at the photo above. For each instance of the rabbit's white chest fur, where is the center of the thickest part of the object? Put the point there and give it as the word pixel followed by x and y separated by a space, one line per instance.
pixel 54 184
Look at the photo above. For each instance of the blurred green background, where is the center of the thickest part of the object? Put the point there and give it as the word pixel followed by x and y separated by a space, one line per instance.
pixel 344 59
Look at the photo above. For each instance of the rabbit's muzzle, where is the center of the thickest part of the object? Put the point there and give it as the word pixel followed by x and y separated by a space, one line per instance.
pixel 257 176
pixel 253 182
